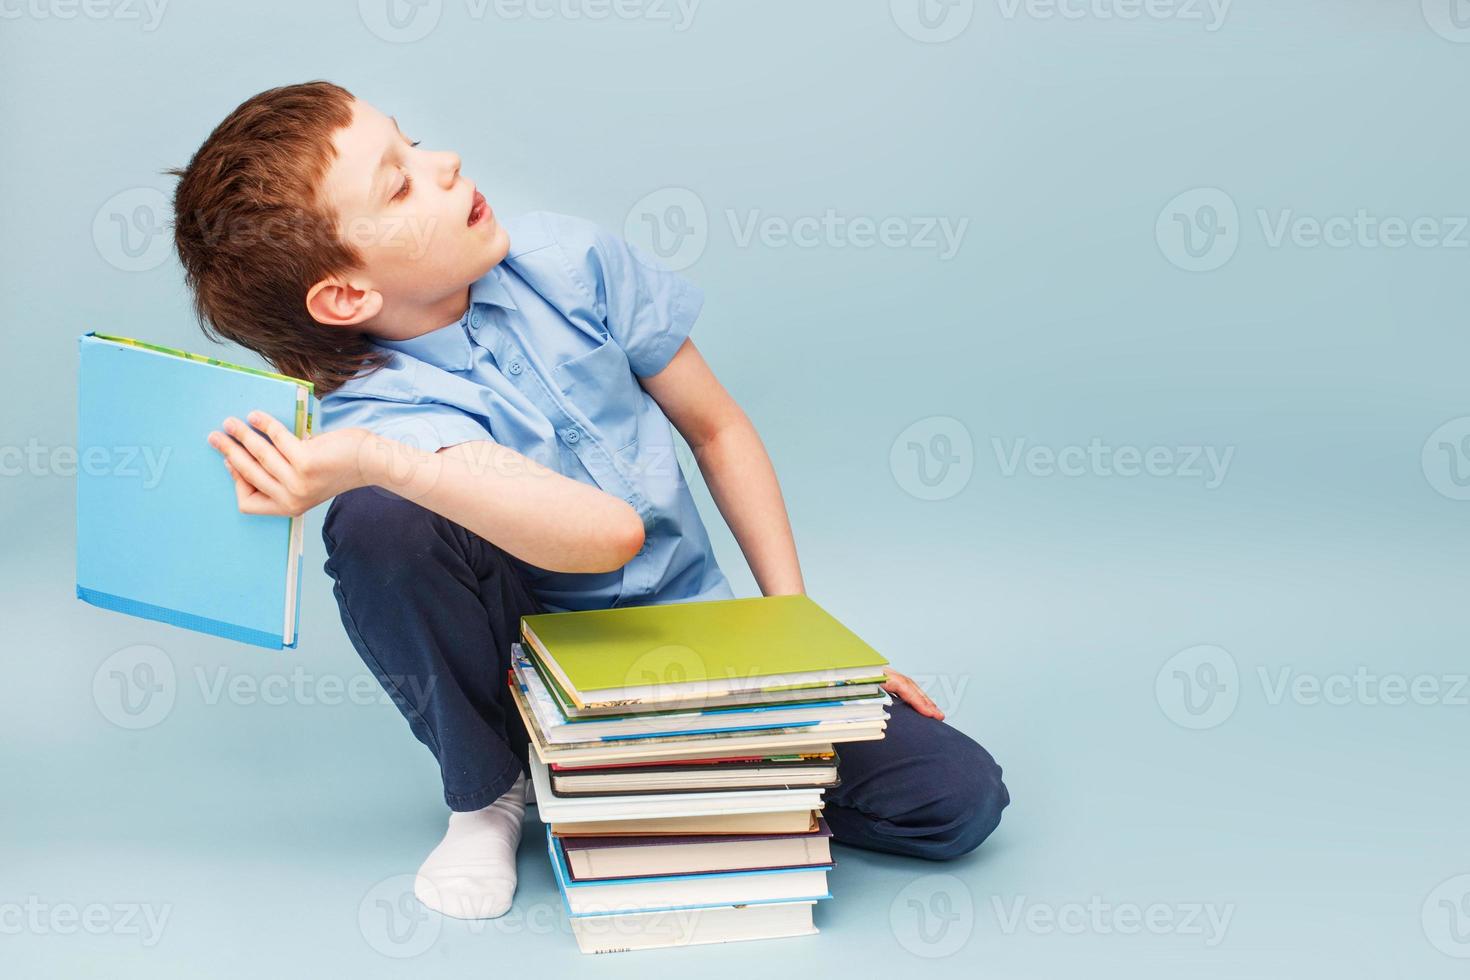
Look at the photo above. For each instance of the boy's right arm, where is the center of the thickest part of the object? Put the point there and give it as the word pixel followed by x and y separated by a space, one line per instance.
pixel 526 509
pixel 523 507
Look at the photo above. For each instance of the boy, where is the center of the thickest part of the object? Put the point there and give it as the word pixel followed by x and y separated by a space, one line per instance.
pixel 498 403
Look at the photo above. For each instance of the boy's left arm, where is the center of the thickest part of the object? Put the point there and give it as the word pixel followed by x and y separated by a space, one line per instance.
pixel 735 466
pixel 743 483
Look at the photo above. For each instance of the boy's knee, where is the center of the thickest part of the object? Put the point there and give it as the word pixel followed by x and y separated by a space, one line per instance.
pixel 972 796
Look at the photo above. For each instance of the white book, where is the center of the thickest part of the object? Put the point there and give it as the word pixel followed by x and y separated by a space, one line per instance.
pixel 644 806
pixel 683 891
pixel 684 780
pixel 692 927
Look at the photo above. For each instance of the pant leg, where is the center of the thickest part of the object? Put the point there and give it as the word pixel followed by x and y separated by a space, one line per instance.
pixel 925 790
pixel 432 609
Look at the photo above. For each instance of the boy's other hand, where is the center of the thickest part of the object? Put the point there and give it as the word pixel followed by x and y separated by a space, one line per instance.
pixel 902 686
pixel 283 475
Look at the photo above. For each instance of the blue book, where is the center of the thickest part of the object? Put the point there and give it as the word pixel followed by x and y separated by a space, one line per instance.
pixel 159 532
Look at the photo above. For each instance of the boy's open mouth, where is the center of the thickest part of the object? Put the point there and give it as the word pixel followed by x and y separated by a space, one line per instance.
pixel 477 210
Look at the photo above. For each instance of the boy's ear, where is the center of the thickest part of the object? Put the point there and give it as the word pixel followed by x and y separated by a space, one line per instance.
pixel 339 303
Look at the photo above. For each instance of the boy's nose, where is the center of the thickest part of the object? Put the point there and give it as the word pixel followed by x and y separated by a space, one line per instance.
pixel 451 168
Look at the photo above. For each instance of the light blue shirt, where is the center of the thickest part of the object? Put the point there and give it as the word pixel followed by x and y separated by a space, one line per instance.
pixel 546 361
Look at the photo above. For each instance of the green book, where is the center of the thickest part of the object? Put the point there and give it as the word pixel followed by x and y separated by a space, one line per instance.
pixel 682 651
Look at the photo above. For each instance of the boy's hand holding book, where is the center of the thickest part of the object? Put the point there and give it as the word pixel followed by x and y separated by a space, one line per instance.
pixel 905 687
pixel 529 510
pixel 284 475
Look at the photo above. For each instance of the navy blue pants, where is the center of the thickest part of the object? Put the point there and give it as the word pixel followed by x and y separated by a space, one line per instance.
pixel 433 608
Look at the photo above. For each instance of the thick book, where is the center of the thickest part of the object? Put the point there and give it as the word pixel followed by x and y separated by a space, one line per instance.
pixel 553 807
pixel 621 933
pixel 665 778
pixel 809 757
pixel 644 655
pixel 732 701
pixel 669 892
pixel 557 728
pixel 628 856
pixel 159 531
pixel 809 738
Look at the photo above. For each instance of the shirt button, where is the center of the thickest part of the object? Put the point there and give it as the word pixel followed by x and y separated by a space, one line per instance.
pixel 475 320
pixel 571 436
pixel 515 367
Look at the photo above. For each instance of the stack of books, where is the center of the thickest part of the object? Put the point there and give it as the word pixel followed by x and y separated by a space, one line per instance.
pixel 679 757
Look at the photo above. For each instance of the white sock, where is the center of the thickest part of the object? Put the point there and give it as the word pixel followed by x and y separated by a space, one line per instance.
pixel 472 873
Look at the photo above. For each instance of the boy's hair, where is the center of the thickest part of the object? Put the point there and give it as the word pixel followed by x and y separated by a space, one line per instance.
pixel 254 233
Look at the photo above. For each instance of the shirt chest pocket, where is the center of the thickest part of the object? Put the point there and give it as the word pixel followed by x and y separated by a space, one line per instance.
pixel 601 385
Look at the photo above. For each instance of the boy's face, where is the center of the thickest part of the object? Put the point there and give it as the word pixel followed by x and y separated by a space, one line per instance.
pixel 423 231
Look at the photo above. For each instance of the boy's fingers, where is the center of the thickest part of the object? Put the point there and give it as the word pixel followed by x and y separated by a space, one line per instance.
pixel 911 692
pixel 252 501
pixel 245 465
pixel 261 448
pixel 247 498
pixel 925 702
pixel 283 438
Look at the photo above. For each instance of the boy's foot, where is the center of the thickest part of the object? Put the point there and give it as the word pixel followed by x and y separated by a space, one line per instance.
pixel 472 873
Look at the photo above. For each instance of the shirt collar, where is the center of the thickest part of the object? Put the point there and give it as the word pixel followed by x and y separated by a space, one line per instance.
pixel 450 347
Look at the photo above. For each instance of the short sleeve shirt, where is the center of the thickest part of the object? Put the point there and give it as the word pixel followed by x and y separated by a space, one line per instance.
pixel 546 361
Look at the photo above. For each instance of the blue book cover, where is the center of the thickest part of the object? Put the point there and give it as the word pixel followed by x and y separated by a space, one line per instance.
pixel 159 532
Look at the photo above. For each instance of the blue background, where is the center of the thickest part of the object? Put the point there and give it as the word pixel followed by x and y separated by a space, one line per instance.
pixel 1059 619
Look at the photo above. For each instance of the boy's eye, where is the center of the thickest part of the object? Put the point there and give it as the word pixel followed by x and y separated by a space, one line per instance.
pixel 407 180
